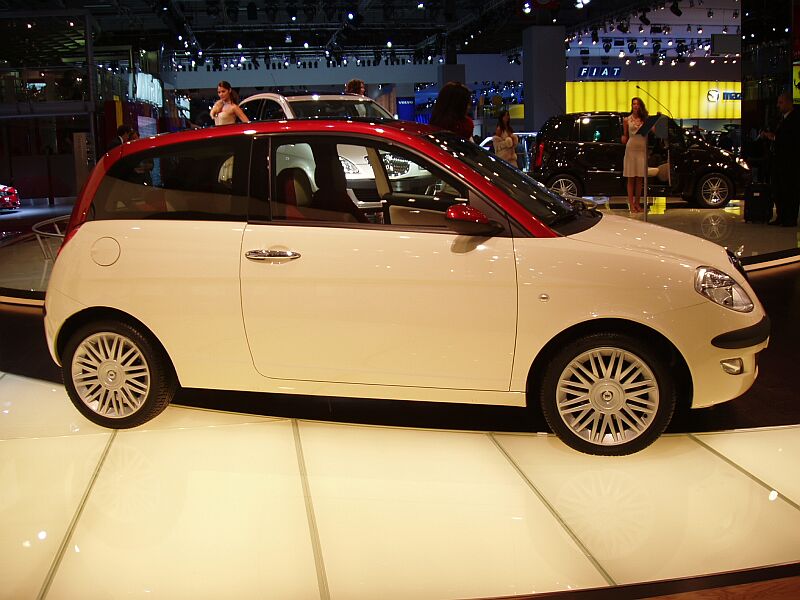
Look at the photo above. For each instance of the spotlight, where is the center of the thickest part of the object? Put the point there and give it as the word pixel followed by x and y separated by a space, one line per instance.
pixel 643 19
pixel 710 14
pixel 631 47
pixel 607 46
pixel 623 26
pixel 656 47
pixel 595 37
pixel 675 9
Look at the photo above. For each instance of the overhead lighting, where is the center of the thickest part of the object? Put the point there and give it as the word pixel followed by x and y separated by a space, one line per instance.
pixel 675 9
pixel 643 19
pixel 632 46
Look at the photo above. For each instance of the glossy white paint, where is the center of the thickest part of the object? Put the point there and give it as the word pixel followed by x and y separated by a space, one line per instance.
pixel 375 313
pixel 623 269
pixel 395 308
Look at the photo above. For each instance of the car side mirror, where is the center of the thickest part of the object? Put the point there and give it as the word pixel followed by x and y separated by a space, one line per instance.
pixel 465 220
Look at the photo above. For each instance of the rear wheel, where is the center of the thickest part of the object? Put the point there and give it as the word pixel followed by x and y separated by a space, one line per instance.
pixel 116 375
pixel 713 191
pixel 608 393
pixel 566 185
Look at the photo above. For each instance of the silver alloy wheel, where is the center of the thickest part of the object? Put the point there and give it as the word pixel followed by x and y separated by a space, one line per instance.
pixel 607 396
pixel 714 190
pixel 565 187
pixel 110 375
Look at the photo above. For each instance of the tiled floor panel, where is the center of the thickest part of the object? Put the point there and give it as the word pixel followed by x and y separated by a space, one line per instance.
pixel 200 504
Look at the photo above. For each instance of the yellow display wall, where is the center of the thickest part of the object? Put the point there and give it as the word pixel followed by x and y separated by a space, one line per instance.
pixel 684 99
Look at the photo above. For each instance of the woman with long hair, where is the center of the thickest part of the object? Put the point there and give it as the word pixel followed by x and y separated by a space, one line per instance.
pixel 505 141
pixel 635 165
pixel 226 110
pixel 451 108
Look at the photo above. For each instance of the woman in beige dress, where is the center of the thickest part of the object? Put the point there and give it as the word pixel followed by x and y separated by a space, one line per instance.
pixel 635 164
pixel 226 110
pixel 505 141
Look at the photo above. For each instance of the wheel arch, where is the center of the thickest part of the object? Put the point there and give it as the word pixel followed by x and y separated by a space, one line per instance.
pixel 683 379
pixel 79 319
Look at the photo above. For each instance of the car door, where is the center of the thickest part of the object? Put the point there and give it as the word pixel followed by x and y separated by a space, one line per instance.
pixel 601 153
pixel 329 297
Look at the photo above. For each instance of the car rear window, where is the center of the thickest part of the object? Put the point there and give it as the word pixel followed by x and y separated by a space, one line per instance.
pixel 338 108
pixel 559 129
pixel 198 180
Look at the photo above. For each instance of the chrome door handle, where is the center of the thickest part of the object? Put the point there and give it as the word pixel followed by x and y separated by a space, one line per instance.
pixel 271 254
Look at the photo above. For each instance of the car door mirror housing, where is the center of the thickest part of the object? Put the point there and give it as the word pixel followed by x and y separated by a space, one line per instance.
pixel 465 220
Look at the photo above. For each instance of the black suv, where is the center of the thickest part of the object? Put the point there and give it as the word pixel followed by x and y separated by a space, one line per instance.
pixel 581 154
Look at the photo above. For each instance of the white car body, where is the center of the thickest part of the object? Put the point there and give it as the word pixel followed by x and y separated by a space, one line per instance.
pixel 397 311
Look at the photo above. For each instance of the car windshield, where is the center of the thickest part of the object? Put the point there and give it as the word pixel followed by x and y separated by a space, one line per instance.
pixel 338 108
pixel 545 205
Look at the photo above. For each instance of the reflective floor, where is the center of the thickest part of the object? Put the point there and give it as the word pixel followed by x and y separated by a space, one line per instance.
pixel 203 504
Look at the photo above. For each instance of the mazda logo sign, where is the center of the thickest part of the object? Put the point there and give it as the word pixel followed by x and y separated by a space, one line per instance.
pixel 713 96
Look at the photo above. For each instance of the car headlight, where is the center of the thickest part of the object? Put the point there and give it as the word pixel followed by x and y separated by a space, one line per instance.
pixel 722 289
pixel 349 167
pixel 742 163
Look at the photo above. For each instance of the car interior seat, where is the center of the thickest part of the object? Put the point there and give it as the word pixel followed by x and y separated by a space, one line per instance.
pixel 293 192
pixel 331 194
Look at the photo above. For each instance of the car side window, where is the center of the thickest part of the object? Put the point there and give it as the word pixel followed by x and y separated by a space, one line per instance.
pixel 418 194
pixel 272 110
pixel 604 129
pixel 311 183
pixel 252 109
pixel 561 129
pixel 350 181
pixel 199 181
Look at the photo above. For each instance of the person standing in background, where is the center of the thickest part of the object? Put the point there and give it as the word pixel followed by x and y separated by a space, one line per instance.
pixel 634 166
pixel 226 110
pixel 786 158
pixel 125 133
pixel 356 86
pixel 505 141
pixel 451 109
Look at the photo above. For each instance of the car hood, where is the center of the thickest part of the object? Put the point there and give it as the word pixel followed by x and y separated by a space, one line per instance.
pixel 656 241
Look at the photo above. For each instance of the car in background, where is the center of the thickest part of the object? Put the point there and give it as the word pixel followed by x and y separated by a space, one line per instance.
pixel 525 148
pixel 9 199
pixel 581 154
pixel 268 106
pixel 476 285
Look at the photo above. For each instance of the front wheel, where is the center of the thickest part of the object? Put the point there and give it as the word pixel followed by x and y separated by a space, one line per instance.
pixel 713 191
pixel 608 393
pixel 116 375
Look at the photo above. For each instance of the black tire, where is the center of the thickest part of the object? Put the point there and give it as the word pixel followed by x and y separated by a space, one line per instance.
pixel 116 375
pixel 561 184
pixel 589 378
pixel 713 190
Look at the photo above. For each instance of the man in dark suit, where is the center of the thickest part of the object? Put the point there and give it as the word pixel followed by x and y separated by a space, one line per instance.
pixel 786 159
pixel 124 134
